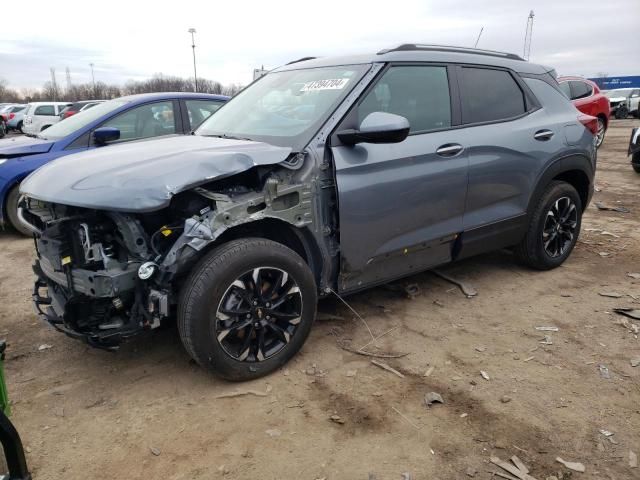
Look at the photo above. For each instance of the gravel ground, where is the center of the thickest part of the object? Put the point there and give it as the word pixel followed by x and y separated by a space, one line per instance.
pixel 147 412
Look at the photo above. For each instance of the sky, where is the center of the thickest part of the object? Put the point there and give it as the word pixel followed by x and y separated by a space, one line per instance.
pixel 136 39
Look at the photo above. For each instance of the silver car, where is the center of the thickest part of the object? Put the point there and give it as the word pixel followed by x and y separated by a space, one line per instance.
pixel 325 176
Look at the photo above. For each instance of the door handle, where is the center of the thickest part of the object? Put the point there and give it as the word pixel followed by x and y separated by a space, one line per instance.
pixel 543 135
pixel 449 150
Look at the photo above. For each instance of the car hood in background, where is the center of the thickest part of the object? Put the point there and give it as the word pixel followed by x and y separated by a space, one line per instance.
pixel 143 176
pixel 23 145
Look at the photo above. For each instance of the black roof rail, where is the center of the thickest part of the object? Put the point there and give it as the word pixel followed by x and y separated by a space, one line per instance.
pixel 303 59
pixel 407 47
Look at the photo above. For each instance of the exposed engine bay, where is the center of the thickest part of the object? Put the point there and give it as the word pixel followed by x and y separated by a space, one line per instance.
pixel 104 276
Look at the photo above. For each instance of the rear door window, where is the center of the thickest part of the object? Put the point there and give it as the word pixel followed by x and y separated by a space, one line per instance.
pixel 418 93
pixel 490 95
pixel 45 110
pixel 580 89
pixel 200 110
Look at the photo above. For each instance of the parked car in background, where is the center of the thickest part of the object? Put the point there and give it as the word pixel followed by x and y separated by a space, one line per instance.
pixel 77 107
pixel 624 101
pixel 116 121
pixel 15 116
pixel 634 149
pixel 325 175
pixel 41 115
pixel 587 97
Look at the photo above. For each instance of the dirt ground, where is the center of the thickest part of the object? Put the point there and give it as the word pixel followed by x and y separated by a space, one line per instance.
pixel 147 412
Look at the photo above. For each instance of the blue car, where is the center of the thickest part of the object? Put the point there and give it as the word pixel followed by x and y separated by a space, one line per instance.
pixel 125 119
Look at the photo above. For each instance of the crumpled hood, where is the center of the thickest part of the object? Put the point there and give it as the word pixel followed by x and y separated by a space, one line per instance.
pixel 23 145
pixel 143 176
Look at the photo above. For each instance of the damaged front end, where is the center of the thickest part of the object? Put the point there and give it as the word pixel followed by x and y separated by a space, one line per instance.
pixel 104 276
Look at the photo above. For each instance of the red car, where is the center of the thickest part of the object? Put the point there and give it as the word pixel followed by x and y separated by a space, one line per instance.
pixel 587 98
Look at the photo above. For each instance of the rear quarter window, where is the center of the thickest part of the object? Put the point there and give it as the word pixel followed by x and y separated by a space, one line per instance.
pixel 490 95
pixel 45 110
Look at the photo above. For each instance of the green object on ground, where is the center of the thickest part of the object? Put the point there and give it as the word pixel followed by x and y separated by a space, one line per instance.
pixel 4 396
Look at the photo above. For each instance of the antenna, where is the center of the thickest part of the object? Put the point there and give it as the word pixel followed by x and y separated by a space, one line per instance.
pixel 479 35
pixel 68 74
pixel 528 34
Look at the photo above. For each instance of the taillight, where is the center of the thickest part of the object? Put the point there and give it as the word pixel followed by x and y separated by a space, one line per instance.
pixel 11 115
pixel 67 114
pixel 591 123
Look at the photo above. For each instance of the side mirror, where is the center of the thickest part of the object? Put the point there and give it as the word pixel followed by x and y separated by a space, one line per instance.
pixel 377 127
pixel 105 135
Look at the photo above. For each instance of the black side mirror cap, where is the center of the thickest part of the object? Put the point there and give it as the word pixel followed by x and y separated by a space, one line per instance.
pixel 377 127
pixel 105 135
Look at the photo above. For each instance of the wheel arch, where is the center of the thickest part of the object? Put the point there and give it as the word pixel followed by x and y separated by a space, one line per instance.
pixel 300 240
pixel 576 170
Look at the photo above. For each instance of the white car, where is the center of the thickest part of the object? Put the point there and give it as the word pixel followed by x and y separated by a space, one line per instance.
pixel 41 115
pixel 624 101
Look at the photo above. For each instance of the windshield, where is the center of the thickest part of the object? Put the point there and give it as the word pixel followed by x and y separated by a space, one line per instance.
pixel 619 92
pixel 79 120
pixel 284 108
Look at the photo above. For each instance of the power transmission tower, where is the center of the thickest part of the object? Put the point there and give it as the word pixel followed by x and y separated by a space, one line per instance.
pixel 68 74
pixel 526 52
pixel 54 84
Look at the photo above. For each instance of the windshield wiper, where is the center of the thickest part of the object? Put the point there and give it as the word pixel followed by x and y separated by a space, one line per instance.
pixel 229 137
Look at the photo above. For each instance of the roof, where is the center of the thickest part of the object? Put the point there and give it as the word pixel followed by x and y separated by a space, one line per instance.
pixel 425 53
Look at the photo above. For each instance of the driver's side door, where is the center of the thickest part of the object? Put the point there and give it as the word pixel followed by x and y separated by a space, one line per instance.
pixel 401 205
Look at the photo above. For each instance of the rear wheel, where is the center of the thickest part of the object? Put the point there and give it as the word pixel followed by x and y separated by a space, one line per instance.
pixel 554 227
pixel 12 211
pixel 20 127
pixel 247 309
pixel 636 167
pixel 622 112
pixel 602 129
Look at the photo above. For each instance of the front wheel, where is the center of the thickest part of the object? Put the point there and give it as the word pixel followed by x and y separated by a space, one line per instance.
pixel 636 167
pixel 12 211
pixel 622 113
pixel 247 308
pixel 554 227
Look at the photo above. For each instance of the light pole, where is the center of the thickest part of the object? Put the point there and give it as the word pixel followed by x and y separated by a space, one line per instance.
pixel 93 80
pixel 193 46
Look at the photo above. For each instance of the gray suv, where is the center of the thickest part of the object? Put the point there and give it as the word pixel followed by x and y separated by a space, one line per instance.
pixel 326 175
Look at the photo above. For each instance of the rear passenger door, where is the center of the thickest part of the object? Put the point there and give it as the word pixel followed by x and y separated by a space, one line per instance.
pixel 401 204
pixel 507 137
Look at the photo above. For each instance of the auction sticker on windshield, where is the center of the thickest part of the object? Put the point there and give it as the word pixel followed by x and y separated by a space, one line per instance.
pixel 329 84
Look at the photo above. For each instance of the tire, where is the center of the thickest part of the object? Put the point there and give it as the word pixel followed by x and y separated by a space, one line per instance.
pixel 636 167
pixel 622 113
pixel 3 129
pixel 602 130
pixel 20 127
pixel 534 249
pixel 12 212
pixel 225 279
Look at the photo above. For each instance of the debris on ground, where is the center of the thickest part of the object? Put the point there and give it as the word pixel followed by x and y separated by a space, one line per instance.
pixel 604 371
pixel 546 340
pixel 505 399
pixel 633 459
pixel 575 466
pixel 406 419
pixel 485 375
pixel 628 312
pixel 44 346
pixel 337 419
pixel 345 344
pixel 635 362
pixel 611 294
pixel 412 290
pixel 604 232
pixel 606 433
pixel 632 327
pixel 617 208
pixel 481 348
pixel 471 472
pixel 155 451
pixel 351 373
pixel 513 469
pixel 547 329
pixel 429 371
pixel 273 432
pixel 386 367
pixel 634 275
pixel 240 393
pixel 467 289
pixel 406 476
pixel 432 397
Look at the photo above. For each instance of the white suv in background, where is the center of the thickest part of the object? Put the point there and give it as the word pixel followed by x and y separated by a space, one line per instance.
pixel 41 115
